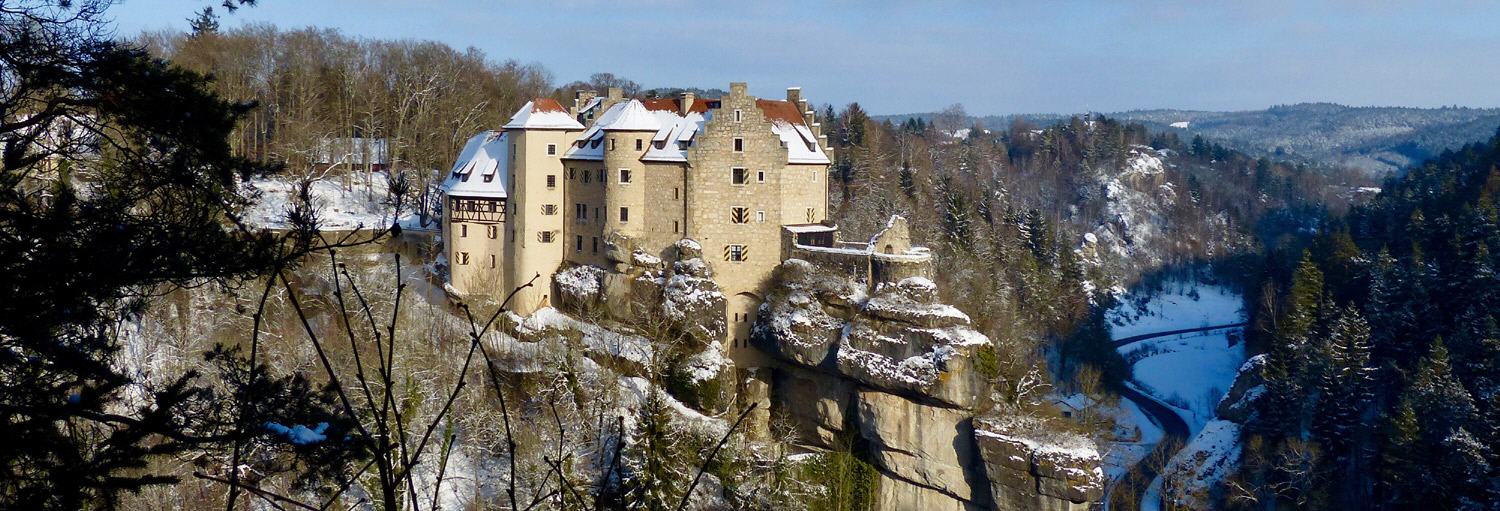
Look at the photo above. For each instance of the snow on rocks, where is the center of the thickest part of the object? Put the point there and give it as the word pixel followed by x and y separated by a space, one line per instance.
pixel 1024 456
pixel 596 340
pixel 897 340
pixel 1202 465
pixel 579 287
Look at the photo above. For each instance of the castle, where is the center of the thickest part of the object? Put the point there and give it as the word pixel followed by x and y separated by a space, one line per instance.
pixel 557 187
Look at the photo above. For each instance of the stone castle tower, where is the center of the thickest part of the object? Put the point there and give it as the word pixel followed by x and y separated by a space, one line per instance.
pixel 590 184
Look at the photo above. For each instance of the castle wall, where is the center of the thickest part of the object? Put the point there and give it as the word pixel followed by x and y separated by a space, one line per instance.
pixel 712 194
pixel 584 236
pixel 484 271
pixel 535 243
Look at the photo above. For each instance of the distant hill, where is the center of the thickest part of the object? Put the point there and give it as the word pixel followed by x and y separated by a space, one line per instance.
pixel 1376 139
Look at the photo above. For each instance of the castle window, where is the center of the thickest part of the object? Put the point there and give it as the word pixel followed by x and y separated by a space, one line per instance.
pixel 601 176
pixel 549 209
pixel 739 145
pixel 463 230
pixel 597 215
pixel 638 145
pixel 551 181
pixel 812 215
pixel 738 175
pixel 546 236
pixel 736 115
pixel 586 175
pixel 492 260
pixel 739 215
pixel 551 149
pixel 462 257
pixel 611 143
pixel 624 175
pixel 674 193
pixel 760 176
pixel 624 214
pixel 492 231
pixel 736 253
pixel 596 244
pixel 572 173
pixel 674 226
pixel 578 244
pixel 760 216
pixel 580 213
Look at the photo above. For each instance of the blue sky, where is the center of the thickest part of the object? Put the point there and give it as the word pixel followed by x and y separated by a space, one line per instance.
pixel 993 57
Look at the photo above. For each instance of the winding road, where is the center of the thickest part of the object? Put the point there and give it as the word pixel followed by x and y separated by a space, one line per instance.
pixel 1172 424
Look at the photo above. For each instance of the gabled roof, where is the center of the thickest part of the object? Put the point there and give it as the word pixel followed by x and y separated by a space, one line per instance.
pixel 788 123
pixel 543 113
pixel 482 169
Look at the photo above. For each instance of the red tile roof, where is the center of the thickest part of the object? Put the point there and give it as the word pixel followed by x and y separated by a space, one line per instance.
pixel 700 105
pixel 775 110
pixel 546 105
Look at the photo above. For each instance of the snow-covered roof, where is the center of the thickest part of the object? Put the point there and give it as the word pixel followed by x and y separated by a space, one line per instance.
pixel 807 228
pixel 674 131
pixel 629 116
pixel 482 169
pixel 543 113
pixel 788 123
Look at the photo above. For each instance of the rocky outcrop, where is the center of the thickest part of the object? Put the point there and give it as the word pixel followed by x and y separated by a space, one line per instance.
pixel 1031 466
pixel 1238 405
pixel 639 284
pixel 898 340
pixel 904 376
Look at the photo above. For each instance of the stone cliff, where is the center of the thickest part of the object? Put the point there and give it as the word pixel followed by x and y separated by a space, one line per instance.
pixel 886 373
pixel 907 379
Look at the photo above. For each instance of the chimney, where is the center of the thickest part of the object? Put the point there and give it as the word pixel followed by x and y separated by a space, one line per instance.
pixel 794 95
pixel 581 99
pixel 738 89
pixel 616 94
pixel 686 103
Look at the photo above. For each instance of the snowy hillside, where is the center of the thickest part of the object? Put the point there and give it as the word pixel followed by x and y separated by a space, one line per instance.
pixel 360 202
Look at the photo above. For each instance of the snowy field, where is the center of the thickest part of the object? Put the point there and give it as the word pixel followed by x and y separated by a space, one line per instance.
pixel 1190 373
pixel 1179 305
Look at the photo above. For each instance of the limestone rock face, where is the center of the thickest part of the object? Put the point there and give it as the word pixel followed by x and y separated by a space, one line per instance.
pixel 1031 467
pixel 814 402
pixel 1238 405
pixel 927 445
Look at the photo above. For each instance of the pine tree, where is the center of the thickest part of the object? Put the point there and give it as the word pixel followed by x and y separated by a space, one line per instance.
pixel 1347 382
pixel 206 22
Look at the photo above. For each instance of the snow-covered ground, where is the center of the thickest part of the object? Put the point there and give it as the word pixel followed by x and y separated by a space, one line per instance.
pixel 1179 305
pixel 1187 372
pixel 1190 372
pixel 339 208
